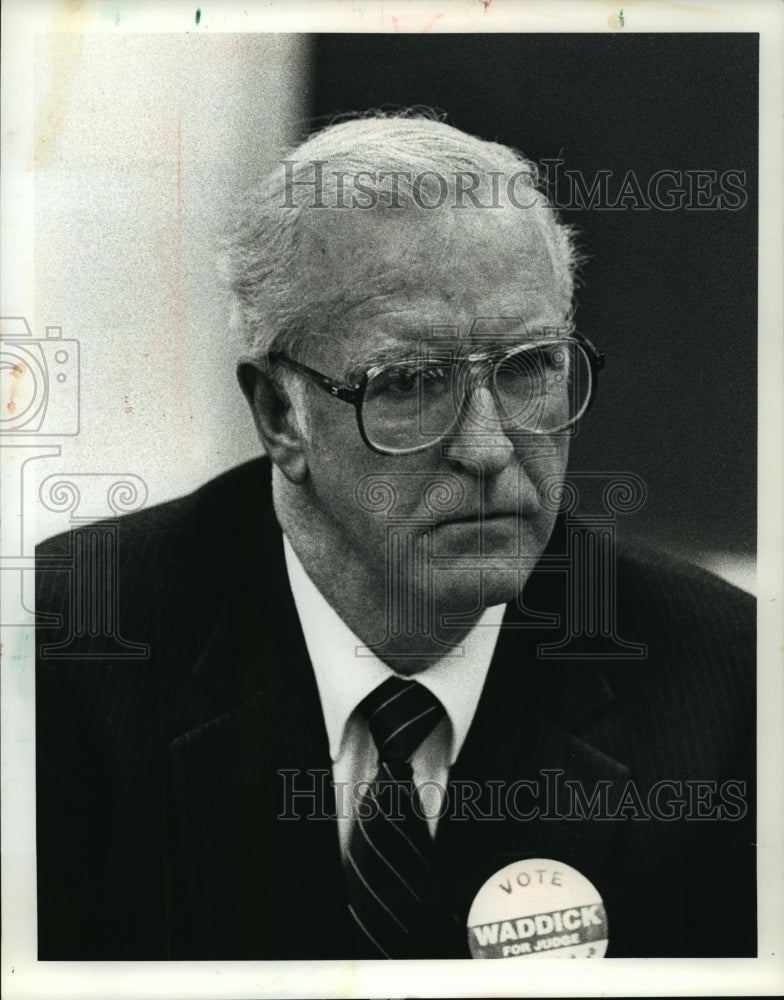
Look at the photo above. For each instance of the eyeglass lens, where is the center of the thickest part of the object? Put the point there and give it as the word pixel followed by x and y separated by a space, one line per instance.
pixel 538 389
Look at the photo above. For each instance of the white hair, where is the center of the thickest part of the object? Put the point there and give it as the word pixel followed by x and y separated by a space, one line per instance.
pixel 261 251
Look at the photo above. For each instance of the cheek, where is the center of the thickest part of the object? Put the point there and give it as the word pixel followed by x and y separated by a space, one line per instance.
pixel 351 484
pixel 547 463
pixel 548 479
pixel 373 483
pixel 336 451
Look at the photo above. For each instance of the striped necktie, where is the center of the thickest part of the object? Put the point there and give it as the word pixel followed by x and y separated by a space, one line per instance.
pixel 389 874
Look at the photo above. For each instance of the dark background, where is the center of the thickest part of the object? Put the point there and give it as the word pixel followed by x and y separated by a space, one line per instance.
pixel 671 297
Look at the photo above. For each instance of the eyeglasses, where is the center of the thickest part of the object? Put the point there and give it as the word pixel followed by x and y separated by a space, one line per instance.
pixel 541 387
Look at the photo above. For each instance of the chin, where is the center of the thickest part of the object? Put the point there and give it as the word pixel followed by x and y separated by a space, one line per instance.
pixel 501 588
pixel 462 592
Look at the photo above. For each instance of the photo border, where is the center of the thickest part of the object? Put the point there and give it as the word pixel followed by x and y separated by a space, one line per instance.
pixel 25 977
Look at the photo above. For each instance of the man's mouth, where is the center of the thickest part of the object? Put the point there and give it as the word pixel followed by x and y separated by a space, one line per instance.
pixel 485 517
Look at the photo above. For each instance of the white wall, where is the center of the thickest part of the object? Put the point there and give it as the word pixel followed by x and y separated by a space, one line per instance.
pixel 143 142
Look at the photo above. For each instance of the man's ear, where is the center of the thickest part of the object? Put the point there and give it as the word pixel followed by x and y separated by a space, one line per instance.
pixel 275 418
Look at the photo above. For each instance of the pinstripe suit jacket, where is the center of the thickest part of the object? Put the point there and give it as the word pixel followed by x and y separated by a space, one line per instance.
pixel 161 773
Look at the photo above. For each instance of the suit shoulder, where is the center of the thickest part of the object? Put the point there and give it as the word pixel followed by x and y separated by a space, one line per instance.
pixel 698 630
pixel 152 530
pixel 183 553
pixel 679 588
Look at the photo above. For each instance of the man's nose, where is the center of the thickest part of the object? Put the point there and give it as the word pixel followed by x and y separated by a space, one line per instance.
pixel 479 440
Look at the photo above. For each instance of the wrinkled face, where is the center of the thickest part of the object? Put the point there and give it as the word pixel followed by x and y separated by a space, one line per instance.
pixel 400 279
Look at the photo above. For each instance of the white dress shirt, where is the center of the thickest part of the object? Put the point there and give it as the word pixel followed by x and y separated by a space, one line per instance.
pixel 347 671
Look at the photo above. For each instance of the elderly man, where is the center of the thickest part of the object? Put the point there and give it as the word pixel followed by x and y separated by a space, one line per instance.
pixel 364 693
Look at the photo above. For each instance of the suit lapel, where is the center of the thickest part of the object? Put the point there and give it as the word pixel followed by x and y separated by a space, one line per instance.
pixel 255 863
pixel 527 743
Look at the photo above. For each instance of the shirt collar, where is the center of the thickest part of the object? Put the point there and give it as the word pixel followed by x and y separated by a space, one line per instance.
pixel 456 680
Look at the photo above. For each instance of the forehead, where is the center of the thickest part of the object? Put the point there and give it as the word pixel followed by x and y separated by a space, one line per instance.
pixel 382 277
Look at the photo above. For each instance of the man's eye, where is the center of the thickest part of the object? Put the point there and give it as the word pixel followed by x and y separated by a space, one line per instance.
pixel 400 381
pixel 409 381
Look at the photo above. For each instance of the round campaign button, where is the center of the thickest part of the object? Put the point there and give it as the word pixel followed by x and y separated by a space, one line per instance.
pixel 538 908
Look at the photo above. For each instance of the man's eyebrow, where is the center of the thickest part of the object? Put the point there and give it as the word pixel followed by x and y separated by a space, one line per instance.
pixel 437 349
pixel 396 354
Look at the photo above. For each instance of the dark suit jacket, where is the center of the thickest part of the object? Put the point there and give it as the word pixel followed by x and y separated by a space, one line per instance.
pixel 159 768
